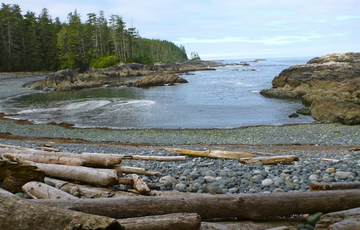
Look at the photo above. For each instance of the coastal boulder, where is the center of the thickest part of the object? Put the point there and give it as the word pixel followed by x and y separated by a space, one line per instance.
pixel 158 79
pixel 329 85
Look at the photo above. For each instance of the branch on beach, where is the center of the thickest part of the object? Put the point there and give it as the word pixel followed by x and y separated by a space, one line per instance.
pixel 270 160
pixel 220 154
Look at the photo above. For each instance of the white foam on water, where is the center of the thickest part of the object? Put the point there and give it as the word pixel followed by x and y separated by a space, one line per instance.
pixel 85 105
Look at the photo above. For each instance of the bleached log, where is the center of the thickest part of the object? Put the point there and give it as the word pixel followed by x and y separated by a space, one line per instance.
pixel 102 177
pixel 49 149
pixel 253 225
pixel 140 185
pixel 270 160
pixel 87 190
pixel 48 159
pixel 334 186
pixel 21 214
pixel 159 158
pixel 91 159
pixel 136 170
pixel 220 154
pixel 176 221
pixel 38 190
pixel 243 206
pixel 347 219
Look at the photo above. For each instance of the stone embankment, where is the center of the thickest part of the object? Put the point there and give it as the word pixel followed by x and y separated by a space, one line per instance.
pixel 329 85
pixel 154 75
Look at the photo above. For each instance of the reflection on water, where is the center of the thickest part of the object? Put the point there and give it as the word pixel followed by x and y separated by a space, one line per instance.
pixel 212 99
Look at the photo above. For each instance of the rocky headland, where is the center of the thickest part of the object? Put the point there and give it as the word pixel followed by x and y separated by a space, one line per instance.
pixel 328 85
pixel 153 75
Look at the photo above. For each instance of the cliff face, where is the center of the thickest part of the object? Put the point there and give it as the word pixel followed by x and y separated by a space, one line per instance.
pixel 329 85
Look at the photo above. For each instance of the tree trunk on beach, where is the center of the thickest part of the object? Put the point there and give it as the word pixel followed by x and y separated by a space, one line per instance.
pixel 220 154
pixel 176 221
pixel 38 190
pixel 14 175
pixel 242 206
pixel 102 177
pixel 270 160
pixel 21 214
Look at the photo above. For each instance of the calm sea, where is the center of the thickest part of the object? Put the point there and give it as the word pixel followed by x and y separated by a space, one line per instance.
pixel 226 98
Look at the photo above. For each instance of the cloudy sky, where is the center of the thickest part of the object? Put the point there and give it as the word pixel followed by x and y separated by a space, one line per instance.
pixel 231 29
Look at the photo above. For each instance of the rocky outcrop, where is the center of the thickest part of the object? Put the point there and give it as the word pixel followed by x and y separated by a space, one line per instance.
pixel 329 85
pixel 154 75
pixel 158 79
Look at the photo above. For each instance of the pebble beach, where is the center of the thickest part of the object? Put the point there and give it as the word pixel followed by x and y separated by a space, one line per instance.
pixel 326 152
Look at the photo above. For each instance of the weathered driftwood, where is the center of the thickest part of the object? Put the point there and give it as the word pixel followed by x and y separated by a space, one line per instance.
pixel 47 159
pixel 91 159
pixel 102 177
pixel 38 190
pixel 87 190
pixel 243 206
pixel 158 158
pixel 14 175
pixel 21 214
pixel 136 170
pixel 334 186
pixel 347 219
pixel 270 160
pixel 49 149
pixel 140 185
pixel 176 221
pixel 220 154
pixel 288 224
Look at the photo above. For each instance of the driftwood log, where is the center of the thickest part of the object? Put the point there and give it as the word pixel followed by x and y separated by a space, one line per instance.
pixel 270 160
pixel 243 206
pixel 140 185
pixel 102 177
pixel 283 224
pixel 89 159
pixel 158 158
pixel 14 175
pixel 220 154
pixel 38 190
pixel 347 219
pixel 176 221
pixel 136 170
pixel 87 190
pixel 21 214
pixel 334 186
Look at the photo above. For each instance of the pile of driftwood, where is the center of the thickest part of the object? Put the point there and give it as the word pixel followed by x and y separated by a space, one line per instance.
pixel 91 176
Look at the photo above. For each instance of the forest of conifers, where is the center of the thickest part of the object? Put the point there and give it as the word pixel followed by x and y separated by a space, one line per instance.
pixel 33 42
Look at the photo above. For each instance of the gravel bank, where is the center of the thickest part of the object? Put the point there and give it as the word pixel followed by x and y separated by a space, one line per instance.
pixel 311 143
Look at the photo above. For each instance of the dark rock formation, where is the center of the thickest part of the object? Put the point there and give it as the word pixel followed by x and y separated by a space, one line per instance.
pixel 329 85
pixel 154 75
pixel 158 79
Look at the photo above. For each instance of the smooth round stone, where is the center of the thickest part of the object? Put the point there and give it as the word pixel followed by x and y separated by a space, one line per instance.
pixel 65 189
pixel 20 194
pixel 223 173
pixel 330 170
pixel 215 189
pixel 233 190
pixel 264 173
pixel 314 218
pixel 341 175
pixel 209 179
pixel 210 173
pixel 167 181
pixel 256 172
pixel 187 172
pixel 278 190
pixel 267 182
pixel 194 187
pixel 180 187
pixel 313 177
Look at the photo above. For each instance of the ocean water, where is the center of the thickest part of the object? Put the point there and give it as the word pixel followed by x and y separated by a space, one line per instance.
pixel 226 98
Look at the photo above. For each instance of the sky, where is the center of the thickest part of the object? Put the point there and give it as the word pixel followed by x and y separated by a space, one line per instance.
pixel 230 29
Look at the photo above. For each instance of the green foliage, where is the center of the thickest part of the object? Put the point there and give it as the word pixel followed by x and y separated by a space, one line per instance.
pixel 36 42
pixel 103 62
pixel 194 56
